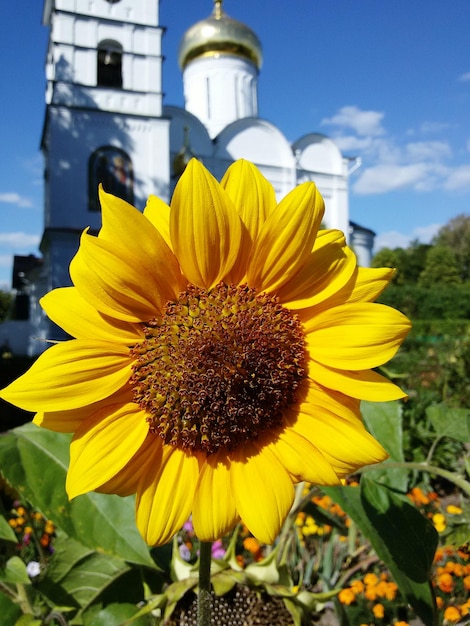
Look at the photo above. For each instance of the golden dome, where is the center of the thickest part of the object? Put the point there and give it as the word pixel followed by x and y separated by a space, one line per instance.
pixel 219 34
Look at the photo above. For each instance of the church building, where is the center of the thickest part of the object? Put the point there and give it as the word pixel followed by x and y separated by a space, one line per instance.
pixel 106 122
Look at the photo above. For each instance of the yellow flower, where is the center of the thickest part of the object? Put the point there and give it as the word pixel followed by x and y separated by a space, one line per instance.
pixel 378 610
pixel 453 510
pixel 220 351
pixel 439 521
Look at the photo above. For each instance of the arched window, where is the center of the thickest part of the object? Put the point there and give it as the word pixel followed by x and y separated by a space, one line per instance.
pixel 109 70
pixel 112 168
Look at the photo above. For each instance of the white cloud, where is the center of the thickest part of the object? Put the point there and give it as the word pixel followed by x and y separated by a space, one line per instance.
pixel 389 177
pixel 433 127
pixel 464 78
pixel 365 123
pixel 394 239
pixel 6 260
pixel 425 234
pixel 428 150
pixel 19 240
pixel 391 239
pixel 391 164
pixel 351 143
pixel 458 179
pixel 15 198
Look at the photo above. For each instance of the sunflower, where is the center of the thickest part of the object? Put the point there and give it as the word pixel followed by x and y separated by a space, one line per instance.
pixel 220 349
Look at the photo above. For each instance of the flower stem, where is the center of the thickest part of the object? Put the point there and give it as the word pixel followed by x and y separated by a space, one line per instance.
pixel 204 597
pixel 458 481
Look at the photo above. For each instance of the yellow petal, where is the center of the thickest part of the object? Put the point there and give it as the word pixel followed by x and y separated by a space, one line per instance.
pixel 165 495
pixel 103 444
pixel 69 310
pixel 69 421
pixel 158 214
pixel 328 268
pixel 263 491
pixel 345 444
pixel 70 375
pixel 126 481
pixel 214 512
pixel 126 227
pixel 286 239
pixel 121 284
pixel 362 384
pixel 252 194
pixel 365 285
pixel 205 228
pixel 355 336
pixel 302 459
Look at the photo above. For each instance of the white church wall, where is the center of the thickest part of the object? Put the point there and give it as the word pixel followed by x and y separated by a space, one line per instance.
pixel 139 12
pixel 320 160
pixel 264 145
pixel 219 90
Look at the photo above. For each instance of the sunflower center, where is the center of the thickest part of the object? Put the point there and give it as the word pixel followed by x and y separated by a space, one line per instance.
pixel 218 368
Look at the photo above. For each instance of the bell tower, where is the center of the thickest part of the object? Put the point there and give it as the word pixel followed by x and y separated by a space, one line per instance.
pixel 103 121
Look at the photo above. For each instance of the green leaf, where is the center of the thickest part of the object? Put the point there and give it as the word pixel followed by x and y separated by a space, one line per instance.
pixel 384 422
pixel 14 571
pixel 6 531
pixel 379 517
pixel 117 615
pixel 28 620
pixel 406 537
pixel 9 611
pixel 449 422
pixel 35 462
pixel 84 582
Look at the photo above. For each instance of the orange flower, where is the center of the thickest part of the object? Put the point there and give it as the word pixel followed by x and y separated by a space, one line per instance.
pixel 371 579
pixel 445 582
pixel 378 610
pixel 465 608
pixel 357 586
pixel 347 596
pixel 466 582
pixel 452 614
pixel 418 497
pixel 371 592
pixel 391 591
pixel 252 545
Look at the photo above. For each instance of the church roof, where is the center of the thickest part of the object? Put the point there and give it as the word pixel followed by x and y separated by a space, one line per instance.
pixel 219 34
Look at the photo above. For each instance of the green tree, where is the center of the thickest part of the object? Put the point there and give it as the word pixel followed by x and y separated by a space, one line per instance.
pixel 414 261
pixel 441 268
pixel 6 300
pixel 456 236
pixel 388 257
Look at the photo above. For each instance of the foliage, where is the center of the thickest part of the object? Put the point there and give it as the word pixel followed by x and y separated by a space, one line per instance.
pixel 444 263
pixel 372 527
pixel 6 301
pixel 409 262
pixel 456 236
pixel 440 268
pixel 430 303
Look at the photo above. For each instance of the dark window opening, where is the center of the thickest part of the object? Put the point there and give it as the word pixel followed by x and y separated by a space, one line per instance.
pixel 109 64
pixel 112 168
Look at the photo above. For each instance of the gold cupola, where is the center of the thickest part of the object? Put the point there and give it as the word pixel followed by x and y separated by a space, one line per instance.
pixel 218 35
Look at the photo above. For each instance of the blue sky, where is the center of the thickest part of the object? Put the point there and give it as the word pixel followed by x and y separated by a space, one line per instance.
pixel 388 80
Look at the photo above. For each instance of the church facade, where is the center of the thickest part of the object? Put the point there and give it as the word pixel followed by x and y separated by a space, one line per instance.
pixel 106 122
